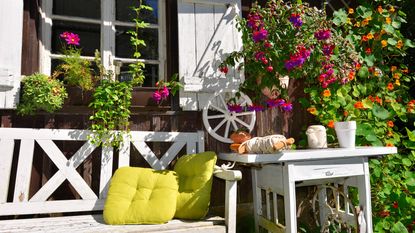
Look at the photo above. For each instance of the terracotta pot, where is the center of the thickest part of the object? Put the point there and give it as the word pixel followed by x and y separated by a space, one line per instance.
pixel 240 137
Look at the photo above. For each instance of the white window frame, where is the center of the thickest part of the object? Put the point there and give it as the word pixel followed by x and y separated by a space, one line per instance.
pixel 107 23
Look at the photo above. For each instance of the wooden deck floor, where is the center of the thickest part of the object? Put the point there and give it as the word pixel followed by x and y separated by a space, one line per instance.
pixel 95 223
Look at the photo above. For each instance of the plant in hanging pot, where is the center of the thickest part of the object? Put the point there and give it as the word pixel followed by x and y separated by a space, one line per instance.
pixel 291 40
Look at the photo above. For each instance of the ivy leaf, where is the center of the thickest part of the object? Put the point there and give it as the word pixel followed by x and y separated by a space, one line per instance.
pixel 411 135
pixel 396 24
pixel 370 60
pixel 399 228
pixel 371 138
pixel 406 162
pixel 392 41
pixel 388 28
pixel 340 17
pixel 363 72
pixel 380 112
pixel 364 129
pixel 409 44
pixel 410 182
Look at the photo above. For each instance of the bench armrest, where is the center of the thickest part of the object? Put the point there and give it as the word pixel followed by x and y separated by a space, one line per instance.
pixel 231 178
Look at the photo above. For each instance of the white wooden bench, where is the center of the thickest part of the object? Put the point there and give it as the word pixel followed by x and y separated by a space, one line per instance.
pixel 21 204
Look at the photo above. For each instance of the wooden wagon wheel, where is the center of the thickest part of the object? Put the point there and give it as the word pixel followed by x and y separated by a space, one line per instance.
pixel 332 213
pixel 219 121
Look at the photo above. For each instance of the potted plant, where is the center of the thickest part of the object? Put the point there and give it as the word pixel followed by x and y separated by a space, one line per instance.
pixel 291 40
pixel 41 92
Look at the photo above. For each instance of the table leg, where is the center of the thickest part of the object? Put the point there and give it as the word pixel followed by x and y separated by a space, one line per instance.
pixel 363 183
pixel 289 199
pixel 256 198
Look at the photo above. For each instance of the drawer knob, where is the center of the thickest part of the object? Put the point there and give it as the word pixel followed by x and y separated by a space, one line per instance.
pixel 329 173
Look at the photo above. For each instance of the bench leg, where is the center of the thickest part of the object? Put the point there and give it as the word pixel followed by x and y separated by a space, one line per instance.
pixel 230 206
pixel 363 183
pixel 289 200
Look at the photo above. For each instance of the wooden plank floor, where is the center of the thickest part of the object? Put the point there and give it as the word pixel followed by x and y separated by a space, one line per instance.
pixel 95 223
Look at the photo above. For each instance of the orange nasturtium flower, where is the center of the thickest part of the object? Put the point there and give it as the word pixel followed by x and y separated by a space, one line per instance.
pixel 393 68
pixel 389 134
pixel 384 43
pixel 390 124
pixel 351 75
pixel 358 65
pixel 380 9
pixel 357 24
pixel 397 75
pixel 391 9
pixel 405 71
pixel 390 86
pixel 345 113
pixel 358 105
pixel 364 38
pixel 370 36
pixel 312 110
pixel 326 93
pixel 330 124
pixel 351 11
pixel 389 144
pixel 399 44
pixel 388 20
pixel 397 82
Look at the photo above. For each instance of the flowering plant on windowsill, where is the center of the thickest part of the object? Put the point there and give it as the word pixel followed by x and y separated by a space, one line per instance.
pixel 294 40
pixel 75 70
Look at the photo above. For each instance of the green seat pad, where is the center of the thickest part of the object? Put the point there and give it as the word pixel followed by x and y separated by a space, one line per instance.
pixel 141 196
pixel 195 173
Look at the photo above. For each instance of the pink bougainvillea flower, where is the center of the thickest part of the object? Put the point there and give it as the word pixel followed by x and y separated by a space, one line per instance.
pixel 164 92
pixel 157 96
pixel 256 108
pixel 323 34
pixel 235 108
pixel 259 35
pixel 287 107
pixel 295 19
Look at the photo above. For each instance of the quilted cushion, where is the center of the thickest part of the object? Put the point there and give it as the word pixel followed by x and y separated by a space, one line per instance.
pixel 195 173
pixel 141 196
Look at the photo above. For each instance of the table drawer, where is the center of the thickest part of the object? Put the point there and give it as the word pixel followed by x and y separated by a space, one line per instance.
pixel 321 169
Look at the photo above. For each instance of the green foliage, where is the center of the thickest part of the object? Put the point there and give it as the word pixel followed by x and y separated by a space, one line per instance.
pixel 136 68
pixel 378 98
pixel 41 92
pixel 111 105
pixel 75 70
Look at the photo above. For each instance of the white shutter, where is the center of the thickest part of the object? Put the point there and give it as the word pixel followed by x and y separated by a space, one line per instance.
pixel 11 30
pixel 207 33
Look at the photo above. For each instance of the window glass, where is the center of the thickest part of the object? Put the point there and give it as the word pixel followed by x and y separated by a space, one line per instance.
pixel 79 8
pixel 151 72
pixel 124 49
pixel 124 12
pixel 88 33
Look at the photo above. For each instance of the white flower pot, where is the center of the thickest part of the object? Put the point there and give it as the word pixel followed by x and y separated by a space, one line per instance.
pixel 346 133
pixel 316 136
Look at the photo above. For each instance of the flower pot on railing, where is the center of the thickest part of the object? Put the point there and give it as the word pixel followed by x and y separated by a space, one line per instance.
pixel 346 133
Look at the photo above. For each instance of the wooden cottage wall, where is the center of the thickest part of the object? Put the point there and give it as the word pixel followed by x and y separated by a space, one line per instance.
pixel 168 117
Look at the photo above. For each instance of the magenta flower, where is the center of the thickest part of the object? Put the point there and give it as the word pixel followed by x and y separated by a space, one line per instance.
pixel 157 96
pixel 164 92
pixel 328 49
pixel 298 59
pixel 322 34
pixel 235 108
pixel 259 35
pixel 70 38
pixel 259 56
pixel 287 107
pixel 272 103
pixel 295 19
pixel 254 20
pixel 256 108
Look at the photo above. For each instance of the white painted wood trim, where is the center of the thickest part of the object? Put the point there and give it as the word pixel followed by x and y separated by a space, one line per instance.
pixel 147 154
pixel 50 207
pixel 162 40
pixel 7 147
pixel 45 43
pixel 106 171
pixel 308 154
pixel 230 203
pixel 200 141
pixel 171 153
pixel 24 168
pixel 290 199
pixel 256 193
pixel 365 197
pixel 124 152
pixel 107 34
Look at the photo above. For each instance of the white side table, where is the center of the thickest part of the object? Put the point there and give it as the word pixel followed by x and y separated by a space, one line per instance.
pixel 279 172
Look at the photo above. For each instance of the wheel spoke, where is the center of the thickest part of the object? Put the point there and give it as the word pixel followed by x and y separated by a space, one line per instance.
pixel 222 100
pixel 243 113
pixel 234 125
pixel 218 109
pixel 216 116
pixel 242 122
pixel 227 129
pixel 219 125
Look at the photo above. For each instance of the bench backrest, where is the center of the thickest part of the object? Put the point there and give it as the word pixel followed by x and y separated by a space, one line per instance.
pixel 45 138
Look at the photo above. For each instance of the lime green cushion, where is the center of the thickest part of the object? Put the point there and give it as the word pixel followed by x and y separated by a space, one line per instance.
pixel 141 196
pixel 195 173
